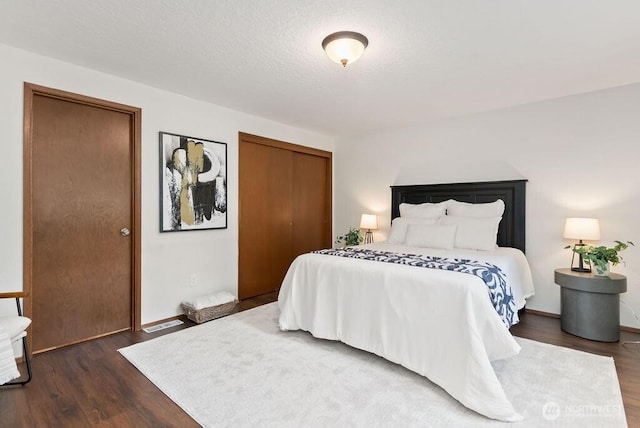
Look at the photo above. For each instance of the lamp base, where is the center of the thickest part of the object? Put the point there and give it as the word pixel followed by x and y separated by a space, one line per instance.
pixel 581 265
pixel 368 237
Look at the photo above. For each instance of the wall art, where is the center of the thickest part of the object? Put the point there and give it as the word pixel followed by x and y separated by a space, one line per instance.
pixel 193 193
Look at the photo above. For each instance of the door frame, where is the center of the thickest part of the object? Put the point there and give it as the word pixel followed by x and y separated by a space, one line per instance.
pixel 30 91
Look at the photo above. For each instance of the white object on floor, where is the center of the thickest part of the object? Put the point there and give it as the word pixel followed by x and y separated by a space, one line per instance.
pixel 242 371
pixel 215 299
pixel 8 368
pixel 162 326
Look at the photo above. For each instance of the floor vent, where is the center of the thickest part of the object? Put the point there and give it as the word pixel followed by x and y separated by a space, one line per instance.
pixel 162 326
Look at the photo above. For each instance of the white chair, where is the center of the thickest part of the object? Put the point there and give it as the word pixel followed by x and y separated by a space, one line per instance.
pixel 16 327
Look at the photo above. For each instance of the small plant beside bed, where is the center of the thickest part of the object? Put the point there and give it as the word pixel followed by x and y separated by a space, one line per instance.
pixel 601 256
pixel 351 238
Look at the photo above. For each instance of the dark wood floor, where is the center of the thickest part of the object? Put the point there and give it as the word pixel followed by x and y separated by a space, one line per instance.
pixel 91 384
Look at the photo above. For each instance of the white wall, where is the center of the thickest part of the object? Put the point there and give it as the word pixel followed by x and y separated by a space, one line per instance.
pixel 579 153
pixel 165 272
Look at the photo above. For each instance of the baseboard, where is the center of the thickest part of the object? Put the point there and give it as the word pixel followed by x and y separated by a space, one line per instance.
pixel 541 313
pixel 630 329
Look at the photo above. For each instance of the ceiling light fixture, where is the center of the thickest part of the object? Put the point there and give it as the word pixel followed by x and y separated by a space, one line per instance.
pixel 344 47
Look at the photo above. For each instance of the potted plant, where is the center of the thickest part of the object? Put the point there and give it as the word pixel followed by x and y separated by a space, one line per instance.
pixel 600 257
pixel 352 237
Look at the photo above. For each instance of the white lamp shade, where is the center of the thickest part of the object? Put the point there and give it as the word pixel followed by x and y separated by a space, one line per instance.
pixel 368 221
pixel 344 47
pixel 587 229
pixel 348 50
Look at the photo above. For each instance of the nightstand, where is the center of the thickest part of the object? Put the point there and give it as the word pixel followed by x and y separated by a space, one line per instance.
pixel 590 304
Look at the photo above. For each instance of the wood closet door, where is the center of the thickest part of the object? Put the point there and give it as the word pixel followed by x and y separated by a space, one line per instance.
pixel 285 210
pixel 265 231
pixel 311 195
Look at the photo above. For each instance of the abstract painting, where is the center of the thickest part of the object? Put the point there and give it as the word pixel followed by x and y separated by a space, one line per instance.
pixel 194 183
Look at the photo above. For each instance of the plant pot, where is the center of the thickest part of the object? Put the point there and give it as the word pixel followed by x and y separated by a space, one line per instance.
pixel 601 270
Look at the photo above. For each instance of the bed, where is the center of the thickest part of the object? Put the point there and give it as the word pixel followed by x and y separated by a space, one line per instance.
pixel 438 321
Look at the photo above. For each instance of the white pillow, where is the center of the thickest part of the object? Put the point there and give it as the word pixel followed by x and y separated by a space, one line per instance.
pixel 399 228
pixel 431 236
pixel 465 209
pixel 474 233
pixel 426 210
pixel 14 325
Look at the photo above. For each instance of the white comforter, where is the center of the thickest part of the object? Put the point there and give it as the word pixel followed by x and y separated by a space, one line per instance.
pixel 437 323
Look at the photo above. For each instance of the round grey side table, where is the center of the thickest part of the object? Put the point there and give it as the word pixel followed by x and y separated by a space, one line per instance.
pixel 590 304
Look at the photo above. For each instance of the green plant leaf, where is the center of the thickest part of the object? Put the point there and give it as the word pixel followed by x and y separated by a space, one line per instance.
pixel 352 237
pixel 601 255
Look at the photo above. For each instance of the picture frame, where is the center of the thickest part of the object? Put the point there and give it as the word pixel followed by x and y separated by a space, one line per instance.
pixel 193 183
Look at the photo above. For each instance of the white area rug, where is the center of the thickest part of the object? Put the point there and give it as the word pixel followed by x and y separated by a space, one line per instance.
pixel 243 371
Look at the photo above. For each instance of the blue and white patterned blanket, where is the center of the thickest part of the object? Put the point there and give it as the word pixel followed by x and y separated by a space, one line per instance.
pixel 499 291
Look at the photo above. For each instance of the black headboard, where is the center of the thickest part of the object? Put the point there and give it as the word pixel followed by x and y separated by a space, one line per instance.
pixel 511 232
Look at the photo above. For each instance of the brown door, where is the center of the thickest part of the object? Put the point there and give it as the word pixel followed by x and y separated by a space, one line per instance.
pixel 265 226
pixel 285 209
pixel 83 223
pixel 311 203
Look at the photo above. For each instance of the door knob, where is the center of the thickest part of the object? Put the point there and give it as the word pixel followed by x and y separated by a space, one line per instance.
pixel 124 231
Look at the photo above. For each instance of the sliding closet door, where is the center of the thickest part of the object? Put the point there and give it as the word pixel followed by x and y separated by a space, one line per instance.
pixel 265 218
pixel 311 203
pixel 285 209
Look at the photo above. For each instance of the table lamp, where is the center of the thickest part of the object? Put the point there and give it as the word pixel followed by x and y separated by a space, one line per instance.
pixel 369 222
pixel 587 229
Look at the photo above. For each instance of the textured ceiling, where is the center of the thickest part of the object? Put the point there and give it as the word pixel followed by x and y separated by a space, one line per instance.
pixel 426 59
